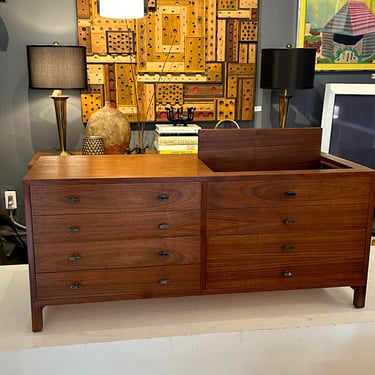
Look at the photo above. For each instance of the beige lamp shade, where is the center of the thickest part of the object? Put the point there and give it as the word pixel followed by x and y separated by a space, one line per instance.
pixel 57 66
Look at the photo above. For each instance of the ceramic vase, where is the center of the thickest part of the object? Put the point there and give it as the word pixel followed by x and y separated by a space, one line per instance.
pixel 113 126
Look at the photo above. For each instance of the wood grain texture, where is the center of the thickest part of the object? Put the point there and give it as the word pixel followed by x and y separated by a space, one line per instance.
pixel 144 252
pixel 98 230
pixel 289 191
pixel 277 219
pixel 260 149
pixel 120 226
pixel 134 283
pixel 258 249
pixel 247 279
pixel 83 198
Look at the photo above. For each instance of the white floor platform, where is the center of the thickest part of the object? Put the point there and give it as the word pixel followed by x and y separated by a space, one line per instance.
pixel 314 331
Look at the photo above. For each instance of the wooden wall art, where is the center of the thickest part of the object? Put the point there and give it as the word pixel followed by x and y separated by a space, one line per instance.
pixel 185 53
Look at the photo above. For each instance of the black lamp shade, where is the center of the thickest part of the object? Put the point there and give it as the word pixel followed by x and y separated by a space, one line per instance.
pixel 287 68
pixel 57 67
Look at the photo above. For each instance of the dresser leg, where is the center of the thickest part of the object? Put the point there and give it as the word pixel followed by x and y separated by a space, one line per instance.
pixel 359 296
pixel 37 318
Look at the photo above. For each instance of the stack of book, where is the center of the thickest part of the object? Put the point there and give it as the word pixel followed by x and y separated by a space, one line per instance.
pixel 177 139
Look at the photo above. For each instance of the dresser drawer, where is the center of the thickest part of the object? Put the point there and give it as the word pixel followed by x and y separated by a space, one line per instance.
pixel 289 191
pixel 120 283
pixel 69 256
pixel 116 226
pixel 296 248
pixel 284 219
pixel 287 276
pixel 101 198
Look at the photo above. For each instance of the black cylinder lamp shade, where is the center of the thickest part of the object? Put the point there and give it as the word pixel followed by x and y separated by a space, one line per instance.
pixel 57 67
pixel 287 68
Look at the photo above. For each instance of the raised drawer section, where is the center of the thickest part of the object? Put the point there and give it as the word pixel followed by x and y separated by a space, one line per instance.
pixel 279 276
pixel 289 191
pixel 116 254
pixel 101 198
pixel 130 283
pixel 284 219
pixel 119 226
pixel 261 250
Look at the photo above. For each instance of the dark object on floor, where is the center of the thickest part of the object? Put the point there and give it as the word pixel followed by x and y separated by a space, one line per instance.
pixel 13 249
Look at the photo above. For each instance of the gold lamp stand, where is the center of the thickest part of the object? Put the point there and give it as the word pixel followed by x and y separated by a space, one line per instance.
pixel 283 108
pixel 60 111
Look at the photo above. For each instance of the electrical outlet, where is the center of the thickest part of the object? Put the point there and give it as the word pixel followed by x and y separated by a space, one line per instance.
pixel 10 199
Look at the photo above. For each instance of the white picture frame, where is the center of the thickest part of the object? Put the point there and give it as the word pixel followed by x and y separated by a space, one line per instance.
pixel 329 106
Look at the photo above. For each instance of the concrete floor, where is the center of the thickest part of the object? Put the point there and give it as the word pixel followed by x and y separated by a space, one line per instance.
pixel 315 331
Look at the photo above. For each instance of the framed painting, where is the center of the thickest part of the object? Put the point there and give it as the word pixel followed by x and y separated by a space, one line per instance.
pixel 341 31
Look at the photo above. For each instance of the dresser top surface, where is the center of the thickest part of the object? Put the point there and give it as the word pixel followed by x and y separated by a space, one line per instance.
pixel 116 166
pixel 188 166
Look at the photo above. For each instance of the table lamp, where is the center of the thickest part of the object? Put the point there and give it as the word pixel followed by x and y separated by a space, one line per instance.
pixel 57 67
pixel 287 68
pixel 122 9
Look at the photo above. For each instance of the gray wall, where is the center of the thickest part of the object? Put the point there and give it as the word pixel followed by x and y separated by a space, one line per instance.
pixel 27 120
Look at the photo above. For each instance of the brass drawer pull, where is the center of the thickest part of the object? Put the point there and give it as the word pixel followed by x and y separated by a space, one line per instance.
pixel 289 221
pixel 164 253
pixel 164 226
pixel 75 286
pixel 74 258
pixel 73 230
pixel 163 197
pixel 73 200
pixel 291 193
pixel 287 274
pixel 165 281
pixel 288 247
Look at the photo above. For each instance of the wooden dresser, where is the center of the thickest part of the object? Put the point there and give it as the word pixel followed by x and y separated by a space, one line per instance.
pixel 116 227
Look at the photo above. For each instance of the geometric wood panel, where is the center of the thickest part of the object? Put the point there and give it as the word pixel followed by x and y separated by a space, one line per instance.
pixel 190 53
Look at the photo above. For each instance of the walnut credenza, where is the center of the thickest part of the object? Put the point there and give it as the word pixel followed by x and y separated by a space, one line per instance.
pixel 104 228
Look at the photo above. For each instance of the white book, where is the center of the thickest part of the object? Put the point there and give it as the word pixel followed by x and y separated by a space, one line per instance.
pixel 178 129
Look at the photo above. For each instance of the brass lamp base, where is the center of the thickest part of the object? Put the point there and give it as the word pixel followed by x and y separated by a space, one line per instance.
pixel 283 108
pixel 60 111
